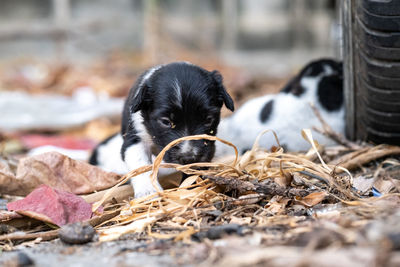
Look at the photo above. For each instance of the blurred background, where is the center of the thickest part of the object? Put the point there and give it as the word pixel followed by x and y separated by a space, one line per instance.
pixel 90 52
pixel 267 36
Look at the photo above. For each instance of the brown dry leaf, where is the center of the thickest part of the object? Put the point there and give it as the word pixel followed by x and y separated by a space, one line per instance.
pixel 277 205
pixel 36 216
pixel 55 170
pixel 312 199
pixel 117 231
pixel 189 181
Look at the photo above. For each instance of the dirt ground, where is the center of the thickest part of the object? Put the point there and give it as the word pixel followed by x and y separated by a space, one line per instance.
pixel 304 222
pixel 254 248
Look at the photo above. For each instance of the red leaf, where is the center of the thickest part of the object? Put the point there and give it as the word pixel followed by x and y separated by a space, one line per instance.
pixel 54 206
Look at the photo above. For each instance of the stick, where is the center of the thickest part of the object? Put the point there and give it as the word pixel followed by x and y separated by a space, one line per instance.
pixel 267 187
pixel 121 193
pixel 330 133
pixel 48 235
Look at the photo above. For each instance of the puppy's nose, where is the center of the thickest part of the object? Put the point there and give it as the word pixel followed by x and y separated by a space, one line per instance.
pixel 187 158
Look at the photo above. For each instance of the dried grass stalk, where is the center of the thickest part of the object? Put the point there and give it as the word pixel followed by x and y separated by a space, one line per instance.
pixel 183 205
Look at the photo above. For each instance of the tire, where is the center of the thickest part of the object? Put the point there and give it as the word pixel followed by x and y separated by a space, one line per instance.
pixel 372 56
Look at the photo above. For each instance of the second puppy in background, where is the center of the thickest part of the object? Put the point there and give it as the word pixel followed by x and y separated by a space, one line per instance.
pixel 319 82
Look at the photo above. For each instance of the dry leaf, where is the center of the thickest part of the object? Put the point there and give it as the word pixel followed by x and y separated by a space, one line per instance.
pixel 313 198
pixel 55 170
pixel 116 232
pixel 53 206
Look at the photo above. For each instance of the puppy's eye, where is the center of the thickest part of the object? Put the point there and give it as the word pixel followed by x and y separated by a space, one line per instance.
pixel 166 122
pixel 209 120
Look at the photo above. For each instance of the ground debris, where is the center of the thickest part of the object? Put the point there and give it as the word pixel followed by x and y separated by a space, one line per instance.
pixel 267 187
pixel 250 191
pixel 21 259
pixel 56 170
pixel 76 233
pixel 261 205
pixel 52 206
pixel 217 232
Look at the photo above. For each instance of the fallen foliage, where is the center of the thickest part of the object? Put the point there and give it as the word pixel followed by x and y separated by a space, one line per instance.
pixel 233 189
pixel 286 198
pixel 52 206
pixel 55 170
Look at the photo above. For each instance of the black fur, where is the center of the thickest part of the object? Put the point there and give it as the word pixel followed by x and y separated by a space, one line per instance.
pixel 93 157
pixel 316 67
pixel 130 137
pixel 266 111
pixel 313 69
pixel 294 87
pixel 330 92
pixel 169 114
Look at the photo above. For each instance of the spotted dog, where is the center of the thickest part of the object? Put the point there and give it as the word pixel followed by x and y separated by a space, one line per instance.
pixel 319 82
pixel 167 102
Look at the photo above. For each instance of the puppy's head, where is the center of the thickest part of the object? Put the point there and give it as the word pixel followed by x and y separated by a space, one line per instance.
pixel 322 79
pixel 177 100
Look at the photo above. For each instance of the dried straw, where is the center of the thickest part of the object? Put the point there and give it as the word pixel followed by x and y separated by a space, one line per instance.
pixel 184 204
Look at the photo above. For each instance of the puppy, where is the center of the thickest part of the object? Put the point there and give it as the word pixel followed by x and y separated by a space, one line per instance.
pixel 167 102
pixel 319 82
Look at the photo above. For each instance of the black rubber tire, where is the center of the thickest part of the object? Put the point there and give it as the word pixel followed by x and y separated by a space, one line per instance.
pixel 376 53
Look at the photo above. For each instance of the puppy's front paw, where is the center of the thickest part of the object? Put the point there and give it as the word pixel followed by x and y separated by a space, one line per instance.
pixel 142 186
pixel 139 193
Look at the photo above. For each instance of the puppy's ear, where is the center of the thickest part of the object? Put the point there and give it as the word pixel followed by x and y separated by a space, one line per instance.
pixel 138 98
pixel 294 87
pixel 222 93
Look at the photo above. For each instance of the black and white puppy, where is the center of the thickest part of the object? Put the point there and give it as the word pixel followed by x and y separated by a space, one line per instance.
pixel 319 82
pixel 167 102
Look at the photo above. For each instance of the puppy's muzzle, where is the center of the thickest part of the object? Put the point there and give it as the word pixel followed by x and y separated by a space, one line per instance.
pixel 187 158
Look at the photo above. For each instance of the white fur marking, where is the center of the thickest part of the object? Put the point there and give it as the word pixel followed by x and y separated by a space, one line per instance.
pixel 109 156
pixel 137 120
pixel 147 76
pixel 186 147
pixel 136 156
pixel 177 89
pixel 328 70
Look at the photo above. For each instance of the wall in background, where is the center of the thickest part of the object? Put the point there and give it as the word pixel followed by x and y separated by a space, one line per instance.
pixel 267 35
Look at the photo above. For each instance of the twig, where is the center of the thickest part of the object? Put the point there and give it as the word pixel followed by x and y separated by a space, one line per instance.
pixel 367 156
pixel 319 178
pixel 330 133
pixel 120 194
pixel 267 188
pixel 48 235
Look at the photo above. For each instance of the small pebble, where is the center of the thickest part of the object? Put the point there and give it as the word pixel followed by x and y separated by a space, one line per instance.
pixel 76 233
pixel 19 259
pixel 217 232
pixel 24 260
pixel 395 240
